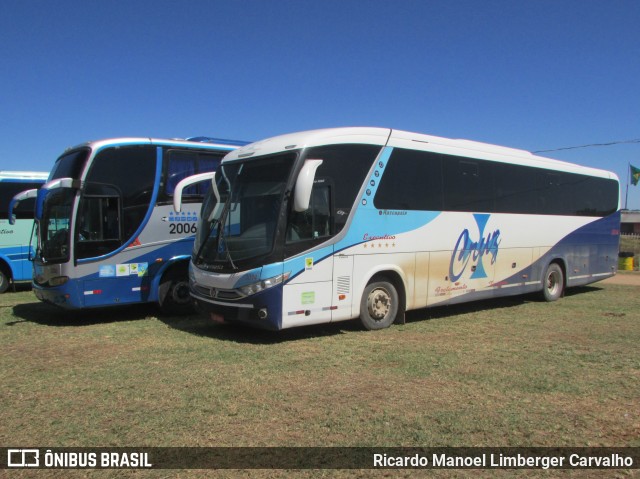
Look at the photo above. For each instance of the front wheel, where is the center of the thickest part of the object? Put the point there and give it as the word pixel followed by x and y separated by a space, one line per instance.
pixel 4 282
pixel 553 283
pixel 379 305
pixel 174 293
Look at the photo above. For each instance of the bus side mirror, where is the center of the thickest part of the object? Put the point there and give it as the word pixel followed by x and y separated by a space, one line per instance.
pixel 53 185
pixel 23 195
pixel 182 184
pixel 304 185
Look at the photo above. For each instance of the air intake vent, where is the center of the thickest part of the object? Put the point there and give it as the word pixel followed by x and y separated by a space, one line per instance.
pixel 344 284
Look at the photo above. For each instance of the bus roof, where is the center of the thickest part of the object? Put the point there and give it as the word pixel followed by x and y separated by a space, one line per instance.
pixel 404 139
pixel 23 175
pixel 201 141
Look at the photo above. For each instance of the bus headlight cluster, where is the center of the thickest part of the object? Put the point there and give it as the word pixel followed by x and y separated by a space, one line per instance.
pixel 58 280
pixel 258 286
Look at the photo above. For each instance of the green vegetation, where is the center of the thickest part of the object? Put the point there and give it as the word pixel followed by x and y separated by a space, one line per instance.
pixel 509 372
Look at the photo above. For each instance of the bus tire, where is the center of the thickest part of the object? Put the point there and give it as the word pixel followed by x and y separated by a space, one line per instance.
pixel 553 283
pixel 379 305
pixel 176 299
pixel 4 281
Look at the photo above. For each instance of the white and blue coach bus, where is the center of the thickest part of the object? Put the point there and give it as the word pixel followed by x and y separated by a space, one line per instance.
pixel 15 232
pixel 335 224
pixel 106 231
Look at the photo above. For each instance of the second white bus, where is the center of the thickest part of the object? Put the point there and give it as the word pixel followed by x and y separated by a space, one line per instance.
pixel 330 225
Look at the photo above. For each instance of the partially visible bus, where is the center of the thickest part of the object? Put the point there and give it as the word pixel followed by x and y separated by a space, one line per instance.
pixel 15 238
pixel 330 225
pixel 106 230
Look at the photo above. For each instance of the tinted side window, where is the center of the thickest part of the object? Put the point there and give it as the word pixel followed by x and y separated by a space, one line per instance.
pixel 517 189
pixel 25 208
pixel 180 164
pixel 71 164
pixel 417 180
pixel 468 184
pixel 131 171
pixel 412 180
pixel 345 168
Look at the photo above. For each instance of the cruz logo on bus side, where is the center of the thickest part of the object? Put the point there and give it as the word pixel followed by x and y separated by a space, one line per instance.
pixel 467 249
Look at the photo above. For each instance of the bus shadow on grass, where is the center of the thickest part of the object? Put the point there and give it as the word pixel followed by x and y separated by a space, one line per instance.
pixel 446 311
pixel 48 315
pixel 201 325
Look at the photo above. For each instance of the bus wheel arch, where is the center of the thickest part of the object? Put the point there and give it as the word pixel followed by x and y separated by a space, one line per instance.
pixel 173 290
pixel 383 301
pixel 554 280
pixel 5 276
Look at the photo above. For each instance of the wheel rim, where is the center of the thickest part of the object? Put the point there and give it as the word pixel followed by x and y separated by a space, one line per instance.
pixel 379 303
pixel 180 293
pixel 553 283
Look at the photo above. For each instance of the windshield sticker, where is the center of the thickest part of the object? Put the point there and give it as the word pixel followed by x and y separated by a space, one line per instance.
pixel 467 250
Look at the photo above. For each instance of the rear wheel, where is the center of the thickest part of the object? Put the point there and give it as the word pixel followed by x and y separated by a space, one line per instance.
pixel 553 280
pixel 379 305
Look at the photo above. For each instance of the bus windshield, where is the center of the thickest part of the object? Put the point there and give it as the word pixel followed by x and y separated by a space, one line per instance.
pixel 54 225
pixel 54 239
pixel 241 224
pixel 71 164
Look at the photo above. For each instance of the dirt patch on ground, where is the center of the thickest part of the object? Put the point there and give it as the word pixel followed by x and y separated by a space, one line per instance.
pixel 630 279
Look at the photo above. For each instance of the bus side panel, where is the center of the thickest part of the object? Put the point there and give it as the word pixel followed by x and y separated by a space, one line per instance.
pixel 99 292
pixel 421 286
pixel 14 247
pixel 26 267
pixel 514 262
pixel 343 297
pixel 307 297
pixel 439 286
pixel 589 253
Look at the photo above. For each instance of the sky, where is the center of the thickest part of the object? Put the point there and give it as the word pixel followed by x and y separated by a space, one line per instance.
pixel 528 74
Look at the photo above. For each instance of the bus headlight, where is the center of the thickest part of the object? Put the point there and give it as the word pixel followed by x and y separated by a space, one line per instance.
pixel 258 286
pixel 58 280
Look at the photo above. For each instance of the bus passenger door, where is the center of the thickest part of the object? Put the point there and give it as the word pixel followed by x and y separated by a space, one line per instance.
pixel 308 297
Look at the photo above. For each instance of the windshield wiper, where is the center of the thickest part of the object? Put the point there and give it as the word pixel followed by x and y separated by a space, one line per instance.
pixel 218 225
pixel 221 236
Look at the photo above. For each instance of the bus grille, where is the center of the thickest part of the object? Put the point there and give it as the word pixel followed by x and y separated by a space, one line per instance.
pixel 228 294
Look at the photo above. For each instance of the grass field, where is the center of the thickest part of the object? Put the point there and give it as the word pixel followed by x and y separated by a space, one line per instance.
pixel 510 372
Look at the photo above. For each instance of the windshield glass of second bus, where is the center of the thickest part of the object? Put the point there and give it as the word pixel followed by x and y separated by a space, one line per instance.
pixel 244 222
